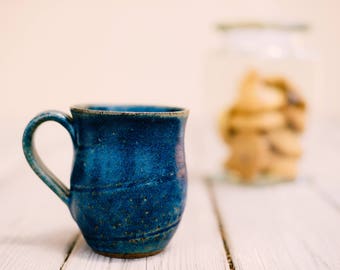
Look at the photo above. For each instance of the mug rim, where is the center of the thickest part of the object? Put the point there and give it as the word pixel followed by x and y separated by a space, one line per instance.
pixel 168 110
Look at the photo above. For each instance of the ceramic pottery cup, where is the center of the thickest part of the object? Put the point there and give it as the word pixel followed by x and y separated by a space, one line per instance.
pixel 129 178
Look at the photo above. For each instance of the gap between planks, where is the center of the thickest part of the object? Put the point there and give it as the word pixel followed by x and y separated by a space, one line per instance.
pixel 69 251
pixel 286 226
pixel 324 195
pixel 221 226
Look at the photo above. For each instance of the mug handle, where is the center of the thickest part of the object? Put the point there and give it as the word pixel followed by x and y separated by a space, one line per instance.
pixel 33 158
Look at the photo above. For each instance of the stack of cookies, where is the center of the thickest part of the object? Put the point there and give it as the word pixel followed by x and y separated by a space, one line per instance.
pixel 263 129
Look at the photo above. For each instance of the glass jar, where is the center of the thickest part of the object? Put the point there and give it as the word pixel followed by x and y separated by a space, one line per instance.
pixel 259 85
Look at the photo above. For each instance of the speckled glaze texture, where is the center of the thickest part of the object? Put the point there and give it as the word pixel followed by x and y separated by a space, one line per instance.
pixel 129 178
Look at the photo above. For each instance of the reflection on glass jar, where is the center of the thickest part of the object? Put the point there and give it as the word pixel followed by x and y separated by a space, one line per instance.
pixel 259 85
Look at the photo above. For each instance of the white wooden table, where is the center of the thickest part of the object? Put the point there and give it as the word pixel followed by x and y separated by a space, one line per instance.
pixel 286 226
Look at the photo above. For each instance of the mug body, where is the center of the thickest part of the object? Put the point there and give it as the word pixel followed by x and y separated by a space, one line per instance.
pixel 129 178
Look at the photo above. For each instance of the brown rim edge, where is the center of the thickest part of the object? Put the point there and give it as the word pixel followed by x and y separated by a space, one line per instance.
pixel 84 108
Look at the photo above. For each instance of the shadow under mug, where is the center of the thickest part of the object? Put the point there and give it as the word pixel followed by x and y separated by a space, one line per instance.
pixel 129 178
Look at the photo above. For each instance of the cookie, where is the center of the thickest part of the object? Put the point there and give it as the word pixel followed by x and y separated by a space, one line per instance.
pixel 226 132
pixel 293 96
pixel 295 117
pixel 255 96
pixel 250 153
pixel 261 121
pixel 285 142
pixel 283 167
pixel 260 98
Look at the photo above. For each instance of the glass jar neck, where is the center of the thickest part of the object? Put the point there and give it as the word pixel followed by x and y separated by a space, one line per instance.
pixel 263 42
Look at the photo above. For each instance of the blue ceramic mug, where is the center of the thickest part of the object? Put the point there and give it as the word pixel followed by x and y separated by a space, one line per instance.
pixel 129 178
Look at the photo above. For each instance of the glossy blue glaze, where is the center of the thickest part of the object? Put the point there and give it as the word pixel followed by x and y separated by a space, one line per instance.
pixel 129 179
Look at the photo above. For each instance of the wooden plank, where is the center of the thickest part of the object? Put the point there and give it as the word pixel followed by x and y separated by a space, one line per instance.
pixel 82 257
pixel 36 230
pixel 319 166
pixel 285 226
pixel 196 245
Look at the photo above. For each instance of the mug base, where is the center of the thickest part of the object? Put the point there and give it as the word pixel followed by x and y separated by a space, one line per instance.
pixel 128 256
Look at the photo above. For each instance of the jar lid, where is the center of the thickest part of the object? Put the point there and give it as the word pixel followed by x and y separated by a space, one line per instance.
pixel 284 26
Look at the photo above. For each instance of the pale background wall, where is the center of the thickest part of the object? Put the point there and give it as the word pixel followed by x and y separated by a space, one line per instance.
pixel 57 53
